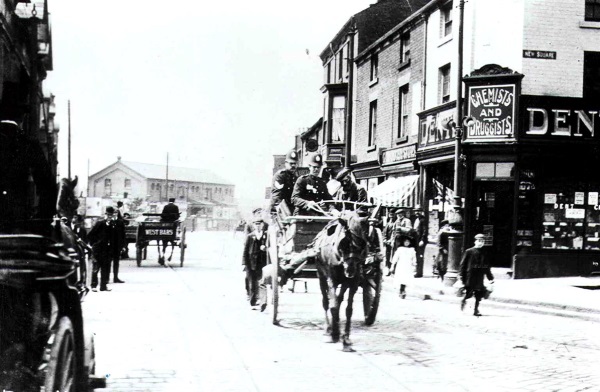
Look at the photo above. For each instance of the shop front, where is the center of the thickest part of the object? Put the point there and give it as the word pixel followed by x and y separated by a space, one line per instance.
pixel 368 174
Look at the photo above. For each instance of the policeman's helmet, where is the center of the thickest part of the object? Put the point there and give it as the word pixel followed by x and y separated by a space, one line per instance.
pixel 315 160
pixel 291 156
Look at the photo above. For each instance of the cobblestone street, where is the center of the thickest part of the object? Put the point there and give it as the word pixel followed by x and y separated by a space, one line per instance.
pixel 190 329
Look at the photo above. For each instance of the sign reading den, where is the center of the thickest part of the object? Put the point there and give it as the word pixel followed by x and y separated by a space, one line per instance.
pixel 493 111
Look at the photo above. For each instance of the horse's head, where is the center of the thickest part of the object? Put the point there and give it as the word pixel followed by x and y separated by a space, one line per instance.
pixel 67 202
pixel 356 231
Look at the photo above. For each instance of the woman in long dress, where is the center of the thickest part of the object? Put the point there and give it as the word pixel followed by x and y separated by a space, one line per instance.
pixel 404 265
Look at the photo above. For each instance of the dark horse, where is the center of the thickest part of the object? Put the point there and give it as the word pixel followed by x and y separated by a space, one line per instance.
pixel 342 250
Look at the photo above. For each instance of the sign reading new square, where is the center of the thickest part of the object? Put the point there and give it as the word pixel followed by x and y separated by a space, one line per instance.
pixel 493 109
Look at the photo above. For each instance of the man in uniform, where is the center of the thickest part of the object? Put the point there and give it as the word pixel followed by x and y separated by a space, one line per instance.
pixel 349 191
pixel 310 189
pixel 283 182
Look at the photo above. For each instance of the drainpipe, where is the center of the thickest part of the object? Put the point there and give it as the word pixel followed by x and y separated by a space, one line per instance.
pixel 350 99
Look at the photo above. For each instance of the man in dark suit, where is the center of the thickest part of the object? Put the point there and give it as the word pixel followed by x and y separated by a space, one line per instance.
pixel 105 241
pixel 255 258
pixel 170 212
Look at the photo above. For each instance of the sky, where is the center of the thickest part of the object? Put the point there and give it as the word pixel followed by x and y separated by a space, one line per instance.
pixel 220 85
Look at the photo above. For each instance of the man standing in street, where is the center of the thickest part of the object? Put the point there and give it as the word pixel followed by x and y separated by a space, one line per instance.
pixel 474 267
pixel 283 182
pixel 254 259
pixel 420 239
pixel 104 238
pixel 388 232
pixel 441 264
pixel 310 189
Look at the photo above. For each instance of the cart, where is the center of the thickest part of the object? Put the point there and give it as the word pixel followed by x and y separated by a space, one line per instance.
pixel 45 345
pixel 289 237
pixel 152 229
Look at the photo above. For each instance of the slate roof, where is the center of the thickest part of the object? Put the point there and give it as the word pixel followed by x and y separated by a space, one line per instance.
pixel 150 170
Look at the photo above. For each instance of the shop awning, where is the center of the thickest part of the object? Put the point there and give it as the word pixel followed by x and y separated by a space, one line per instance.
pixel 396 192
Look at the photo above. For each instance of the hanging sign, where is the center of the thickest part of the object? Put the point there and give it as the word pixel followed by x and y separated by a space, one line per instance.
pixel 493 111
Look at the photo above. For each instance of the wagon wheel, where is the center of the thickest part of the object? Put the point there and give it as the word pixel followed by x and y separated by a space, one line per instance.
pixel 272 258
pixel 138 247
pixel 61 370
pixel 182 246
pixel 371 286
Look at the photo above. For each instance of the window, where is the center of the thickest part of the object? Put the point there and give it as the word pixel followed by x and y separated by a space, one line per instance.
pixel 372 122
pixel 328 70
pixel 591 75
pixel 592 10
pixel 338 119
pixel 374 66
pixel 403 112
pixel 107 187
pixel 340 65
pixel 152 187
pixel 445 84
pixel 446 19
pixel 127 183
pixel 405 48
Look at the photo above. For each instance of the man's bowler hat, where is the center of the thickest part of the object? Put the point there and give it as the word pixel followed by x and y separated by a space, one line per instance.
pixel 110 210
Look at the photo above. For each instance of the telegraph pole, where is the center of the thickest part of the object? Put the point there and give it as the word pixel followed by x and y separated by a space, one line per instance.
pixel 167 178
pixel 69 141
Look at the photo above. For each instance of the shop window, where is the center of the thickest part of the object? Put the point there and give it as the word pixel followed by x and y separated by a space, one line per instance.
pixel 571 217
pixel 374 67
pixel 372 122
pixel 405 48
pixel 592 10
pixel 591 75
pixel 403 122
pixel 446 20
pixel 444 84
pixel 494 171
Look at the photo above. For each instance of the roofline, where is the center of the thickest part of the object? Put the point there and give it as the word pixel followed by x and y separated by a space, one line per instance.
pixel 399 26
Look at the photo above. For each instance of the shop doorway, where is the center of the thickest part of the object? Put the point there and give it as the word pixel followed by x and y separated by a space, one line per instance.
pixel 493 216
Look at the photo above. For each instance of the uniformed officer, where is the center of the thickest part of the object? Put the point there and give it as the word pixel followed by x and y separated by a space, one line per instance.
pixel 310 189
pixel 283 182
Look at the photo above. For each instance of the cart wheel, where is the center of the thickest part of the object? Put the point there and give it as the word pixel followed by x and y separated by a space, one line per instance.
pixel 272 257
pixel 61 371
pixel 182 246
pixel 371 288
pixel 138 255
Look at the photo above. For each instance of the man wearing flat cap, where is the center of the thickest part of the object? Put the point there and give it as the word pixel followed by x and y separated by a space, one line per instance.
pixel 442 242
pixel 106 243
pixel 254 259
pixel 349 191
pixel 310 189
pixel 283 182
pixel 420 238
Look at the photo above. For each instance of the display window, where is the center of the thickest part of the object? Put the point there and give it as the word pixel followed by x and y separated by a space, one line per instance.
pixel 571 217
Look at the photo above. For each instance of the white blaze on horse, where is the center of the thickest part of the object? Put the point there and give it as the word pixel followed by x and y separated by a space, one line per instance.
pixel 342 250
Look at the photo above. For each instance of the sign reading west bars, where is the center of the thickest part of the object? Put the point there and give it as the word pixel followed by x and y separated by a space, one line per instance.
pixel 493 111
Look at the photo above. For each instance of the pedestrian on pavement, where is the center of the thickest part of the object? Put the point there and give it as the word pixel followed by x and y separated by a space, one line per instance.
pixel 105 242
pixel 310 190
pixel 474 267
pixel 402 228
pixel 77 225
pixel 441 263
pixel 283 183
pixel 254 258
pixel 404 265
pixel 420 239
pixel 388 233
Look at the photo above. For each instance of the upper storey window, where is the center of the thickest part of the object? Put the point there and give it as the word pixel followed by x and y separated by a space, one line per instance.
pixel 445 84
pixel 405 48
pixel 592 10
pixel 446 19
pixel 374 66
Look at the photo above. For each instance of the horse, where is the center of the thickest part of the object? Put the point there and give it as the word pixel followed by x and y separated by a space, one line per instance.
pixel 341 252
pixel 67 202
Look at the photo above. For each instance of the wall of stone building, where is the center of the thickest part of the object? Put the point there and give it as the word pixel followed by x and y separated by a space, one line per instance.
pixel 117 178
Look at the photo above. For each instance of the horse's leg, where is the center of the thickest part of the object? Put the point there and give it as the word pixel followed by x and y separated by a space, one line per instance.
pixel 161 258
pixel 172 248
pixel 325 299
pixel 346 338
pixel 334 308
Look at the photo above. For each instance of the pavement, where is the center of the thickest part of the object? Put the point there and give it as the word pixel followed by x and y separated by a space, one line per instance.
pixel 576 296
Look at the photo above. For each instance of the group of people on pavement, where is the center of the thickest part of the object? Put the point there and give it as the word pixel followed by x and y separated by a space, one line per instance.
pixel 107 241
pixel 404 238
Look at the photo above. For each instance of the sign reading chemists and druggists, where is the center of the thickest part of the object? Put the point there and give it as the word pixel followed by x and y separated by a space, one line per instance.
pixel 493 111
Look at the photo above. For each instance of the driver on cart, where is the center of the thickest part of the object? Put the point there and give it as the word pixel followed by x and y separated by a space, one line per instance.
pixel 310 190
pixel 170 212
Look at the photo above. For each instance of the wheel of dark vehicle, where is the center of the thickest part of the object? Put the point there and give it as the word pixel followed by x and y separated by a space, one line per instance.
pixel 182 246
pixel 61 371
pixel 138 255
pixel 371 288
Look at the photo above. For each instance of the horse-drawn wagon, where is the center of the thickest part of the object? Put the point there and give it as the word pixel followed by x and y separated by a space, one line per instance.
pixel 337 251
pixel 153 229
